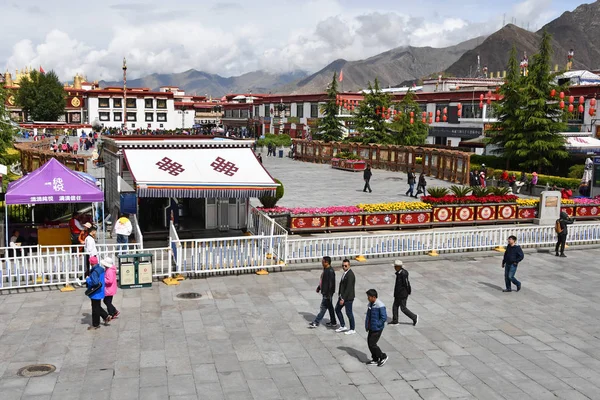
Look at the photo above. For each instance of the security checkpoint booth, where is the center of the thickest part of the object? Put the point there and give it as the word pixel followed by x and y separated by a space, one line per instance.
pixel 201 184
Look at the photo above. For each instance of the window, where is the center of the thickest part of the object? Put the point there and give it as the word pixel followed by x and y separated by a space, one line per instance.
pixel 236 113
pixel 161 117
pixel 256 111
pixel 161 103
pixel 161 125
pixel 267 110
pixel 131 103
pixel 490 111
pixel 243 113
pixel 117 116
pixel 228 113
pixel 440 107
pixel 131 116
pixel 149 117
pixel 117 103
pixel 299 110
pixel 133 125
pixel 471 110
pixel 104 116
pixel 103 103
pixel 149 103
pixel 314 110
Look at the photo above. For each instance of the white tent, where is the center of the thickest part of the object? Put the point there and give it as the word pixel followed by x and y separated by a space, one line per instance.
pixel 580 77
pixel 580 143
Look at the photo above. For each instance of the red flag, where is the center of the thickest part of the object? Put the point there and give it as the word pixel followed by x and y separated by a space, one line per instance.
pixel 42 70
pixel 341 75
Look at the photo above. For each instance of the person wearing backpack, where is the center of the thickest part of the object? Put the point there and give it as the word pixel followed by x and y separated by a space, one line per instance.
pixel 95 291
pixel 560 228
pixel 402 290
pixel 512 257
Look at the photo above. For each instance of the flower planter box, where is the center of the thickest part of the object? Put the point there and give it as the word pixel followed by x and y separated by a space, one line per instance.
pixel 569 209
pixel 587 211
pixel 348 165
pixel 308 223
pixel 415 217
pixel 443 214
pixel 506 212
pixel 344 221
pixel 464 213
pixel 526 214
pixel 376 220
pixel 486 212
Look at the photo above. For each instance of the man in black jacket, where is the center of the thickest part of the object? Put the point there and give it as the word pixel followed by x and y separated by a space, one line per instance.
pixel 411 178
pixel 512 257
pixel 346 298
pixel 401 292
pixel 327 289
pixel 367 177
pixel 563 222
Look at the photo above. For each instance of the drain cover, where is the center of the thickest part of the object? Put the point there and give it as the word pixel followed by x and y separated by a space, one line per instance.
pixel 189 295
pixel 32 371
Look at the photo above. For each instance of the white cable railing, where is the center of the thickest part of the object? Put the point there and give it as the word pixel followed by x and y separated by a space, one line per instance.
pixel 139 238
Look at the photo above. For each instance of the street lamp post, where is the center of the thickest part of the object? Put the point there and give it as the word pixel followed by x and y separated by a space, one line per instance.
pixel 281 109
pixel 125 94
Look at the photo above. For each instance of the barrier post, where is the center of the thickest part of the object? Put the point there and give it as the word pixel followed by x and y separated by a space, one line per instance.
pixel 433 252
pixel 175 255
pixel 500 242
pixel 361 251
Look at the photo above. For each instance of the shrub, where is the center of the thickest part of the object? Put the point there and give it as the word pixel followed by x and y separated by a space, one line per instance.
pixel 499 191
pixel 277 140
pixel 479 191
pixel 419 160
pixel 437 192
pixel 489 161
pixel 271 201
pixel 576 171
pixel 346 155
pixel 460 191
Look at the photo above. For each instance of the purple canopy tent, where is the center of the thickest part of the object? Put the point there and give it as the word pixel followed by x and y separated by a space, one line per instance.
pixel 51 183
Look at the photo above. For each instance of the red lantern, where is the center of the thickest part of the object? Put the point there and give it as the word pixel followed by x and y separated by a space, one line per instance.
pixel 561 104
pixel 424 120
pixel 561 95
pixel 412 121
pixel 377 111
pixel 412 114
pixel 459 106
pixel 581 99
pixel 430 114
pixel 581 108
pixel 459 113
pixel 592 112
pixel 431 120
pixel 437 119
pixel 489 93
pixel 593 102
pixel 553 93
pixel 424 114
pixel 437 113
pixel 445 110
pixel 481 104
pixel 489 100
pixel 571 107
pixel 444 118
pixel 571 99
pixel 481 97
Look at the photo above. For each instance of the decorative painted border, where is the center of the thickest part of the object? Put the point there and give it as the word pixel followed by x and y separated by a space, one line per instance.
pixel 415 217
pixel 388 219
pixel 506 211
pixel 464 213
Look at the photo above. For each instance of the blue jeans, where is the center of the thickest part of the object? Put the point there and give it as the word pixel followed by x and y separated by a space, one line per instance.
pixel 326 304
pixel 122 240
pixel 509 276
pixel 411 189
pixel 338 312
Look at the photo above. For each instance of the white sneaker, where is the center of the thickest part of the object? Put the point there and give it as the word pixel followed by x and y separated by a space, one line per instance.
pixel 341 329
pixel 350 332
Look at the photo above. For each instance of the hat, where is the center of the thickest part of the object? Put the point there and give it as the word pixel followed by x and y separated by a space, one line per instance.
pixel 397 263
pixel 87 225
pixel 534 174
pixel 483 165
pixel 93 260
pixel 107 262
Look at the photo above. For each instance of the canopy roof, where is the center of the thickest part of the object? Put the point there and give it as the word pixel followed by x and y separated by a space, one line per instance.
pixel 53 183
pixel 199 173
pixel 580 77
pixel 582 144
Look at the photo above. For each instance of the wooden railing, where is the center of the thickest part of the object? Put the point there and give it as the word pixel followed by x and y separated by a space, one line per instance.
pixel 34 154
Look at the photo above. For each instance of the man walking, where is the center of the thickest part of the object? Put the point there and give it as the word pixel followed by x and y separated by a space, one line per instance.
pixel 367 177
pixel 412 177
pixel 374 324
pixel 561 232
pixel 402 290
pixel 346 298
pixel 512 257
pixel 327 289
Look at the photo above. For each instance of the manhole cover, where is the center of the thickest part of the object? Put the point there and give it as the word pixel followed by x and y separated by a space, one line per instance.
pixel 190 295
pixel 32 371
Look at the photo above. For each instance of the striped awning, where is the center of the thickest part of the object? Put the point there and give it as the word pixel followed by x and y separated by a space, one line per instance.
pixel 199 173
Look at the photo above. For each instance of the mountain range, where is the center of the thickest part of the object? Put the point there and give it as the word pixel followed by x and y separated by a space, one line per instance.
pixel 577 29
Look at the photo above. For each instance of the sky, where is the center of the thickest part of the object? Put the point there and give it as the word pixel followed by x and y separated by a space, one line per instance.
pixel 231 37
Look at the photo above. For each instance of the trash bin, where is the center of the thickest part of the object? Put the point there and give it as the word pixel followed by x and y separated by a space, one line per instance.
pixel 280 153
pixel 135 270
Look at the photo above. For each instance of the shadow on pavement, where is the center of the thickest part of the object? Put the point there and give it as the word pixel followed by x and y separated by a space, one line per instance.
pixel 310 317
pixel 359 355
pixel 491 285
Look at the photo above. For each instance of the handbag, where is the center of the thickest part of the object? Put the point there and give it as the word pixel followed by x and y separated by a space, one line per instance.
pixel 93 289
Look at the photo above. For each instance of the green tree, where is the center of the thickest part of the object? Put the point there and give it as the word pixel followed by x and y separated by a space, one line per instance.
pixel 372 126
pixel 7 129
pixel 330 127
pixel 541 120
pixel 508 135
pixel 42 96
pixel 403 132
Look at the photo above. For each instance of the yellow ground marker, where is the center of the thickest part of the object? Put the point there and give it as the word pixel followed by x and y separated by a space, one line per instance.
pixel 361 259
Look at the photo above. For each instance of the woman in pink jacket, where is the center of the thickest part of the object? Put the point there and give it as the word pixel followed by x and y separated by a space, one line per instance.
pixel 110 288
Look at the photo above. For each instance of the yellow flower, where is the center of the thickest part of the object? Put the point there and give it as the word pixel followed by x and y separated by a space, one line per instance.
pixel 395 206
pixel 528 202
pixel 567 201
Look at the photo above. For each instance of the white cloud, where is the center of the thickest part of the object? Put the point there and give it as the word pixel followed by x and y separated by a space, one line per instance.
pixel 228 37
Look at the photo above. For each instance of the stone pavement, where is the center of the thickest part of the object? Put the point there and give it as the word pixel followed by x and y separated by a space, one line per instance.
pixel 247 337
pixel 318 185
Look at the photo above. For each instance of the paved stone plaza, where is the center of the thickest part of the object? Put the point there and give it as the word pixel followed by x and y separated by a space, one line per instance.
pixel 247 337
pixel 319 185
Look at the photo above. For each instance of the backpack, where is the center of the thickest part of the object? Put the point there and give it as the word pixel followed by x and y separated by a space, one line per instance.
pixel 557 227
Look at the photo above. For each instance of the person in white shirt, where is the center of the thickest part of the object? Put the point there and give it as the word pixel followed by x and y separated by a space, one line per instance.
pixel 123 229
pixel 90 248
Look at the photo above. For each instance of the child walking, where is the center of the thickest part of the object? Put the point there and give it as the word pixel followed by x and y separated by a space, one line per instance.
pixel 95 291
pixel 110 280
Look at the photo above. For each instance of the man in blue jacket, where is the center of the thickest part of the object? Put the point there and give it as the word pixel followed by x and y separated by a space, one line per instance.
pixel 374 324
pixel 512 257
